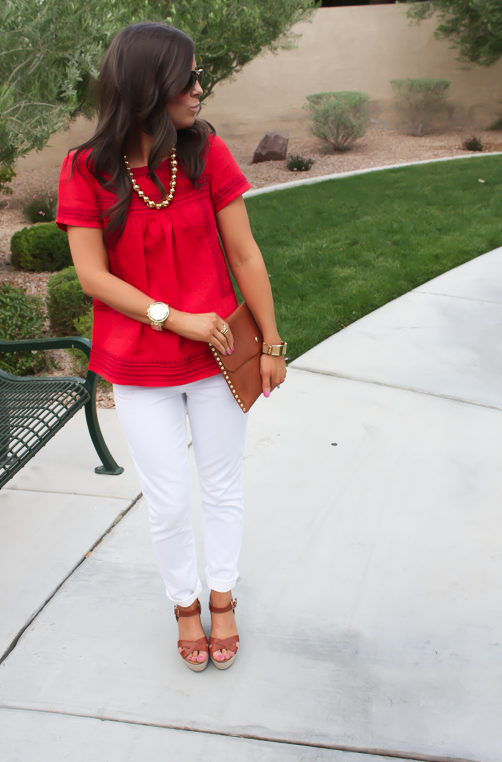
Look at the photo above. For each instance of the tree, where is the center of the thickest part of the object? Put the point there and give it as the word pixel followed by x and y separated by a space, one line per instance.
pixel 228 34
pixel 50 52
pixel 473 26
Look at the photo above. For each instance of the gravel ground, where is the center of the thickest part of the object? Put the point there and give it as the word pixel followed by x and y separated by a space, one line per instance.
pixel 377 148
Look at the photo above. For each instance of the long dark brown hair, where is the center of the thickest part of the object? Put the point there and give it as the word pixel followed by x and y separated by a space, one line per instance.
pixel 144 67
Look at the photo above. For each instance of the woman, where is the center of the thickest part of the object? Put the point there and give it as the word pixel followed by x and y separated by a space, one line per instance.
pixel 152 260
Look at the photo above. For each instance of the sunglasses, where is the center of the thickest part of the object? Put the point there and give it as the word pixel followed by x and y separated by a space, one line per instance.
pixel 196 75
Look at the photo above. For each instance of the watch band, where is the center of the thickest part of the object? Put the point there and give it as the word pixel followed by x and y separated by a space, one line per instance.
pixel 276 350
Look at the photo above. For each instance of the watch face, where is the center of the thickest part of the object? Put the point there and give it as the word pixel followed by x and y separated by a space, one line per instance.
pixel 158 312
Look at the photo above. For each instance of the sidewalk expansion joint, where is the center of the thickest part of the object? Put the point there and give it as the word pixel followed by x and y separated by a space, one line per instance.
pixel 453 296
pixel 412 756
pixel 30 621
pixel 449 397
pixel 64 492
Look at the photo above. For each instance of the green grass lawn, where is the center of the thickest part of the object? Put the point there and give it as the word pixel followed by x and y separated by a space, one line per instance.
pixel 342 248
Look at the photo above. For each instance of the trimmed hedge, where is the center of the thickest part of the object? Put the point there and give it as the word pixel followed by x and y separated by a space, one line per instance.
pixel 22 318
pixel 40 248
pixel 66 302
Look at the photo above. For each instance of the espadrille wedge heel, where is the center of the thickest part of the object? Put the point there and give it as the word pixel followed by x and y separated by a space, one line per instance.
pixel 189 646
pixel 230 644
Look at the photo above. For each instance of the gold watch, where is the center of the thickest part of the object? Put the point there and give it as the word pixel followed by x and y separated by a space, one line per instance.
pixel 157 313
pixel 276 350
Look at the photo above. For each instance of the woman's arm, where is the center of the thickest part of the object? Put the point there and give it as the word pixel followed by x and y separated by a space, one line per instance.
pixel 91 263
pixel 248 268
pixel 90 258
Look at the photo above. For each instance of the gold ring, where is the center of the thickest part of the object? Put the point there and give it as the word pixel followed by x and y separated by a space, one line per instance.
pixel 224 330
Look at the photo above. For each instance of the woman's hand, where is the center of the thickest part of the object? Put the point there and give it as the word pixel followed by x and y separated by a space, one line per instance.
pixel 248 268
pixel 273 372
pixel 205 326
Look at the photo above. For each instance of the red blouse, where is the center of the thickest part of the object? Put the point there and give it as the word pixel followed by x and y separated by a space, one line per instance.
pixel 172 254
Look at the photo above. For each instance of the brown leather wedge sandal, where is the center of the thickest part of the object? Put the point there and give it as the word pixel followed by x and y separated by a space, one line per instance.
pixel 189 646
pixel 215 644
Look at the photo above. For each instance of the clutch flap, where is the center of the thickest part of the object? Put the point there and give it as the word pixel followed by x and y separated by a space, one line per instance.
pixel 248 338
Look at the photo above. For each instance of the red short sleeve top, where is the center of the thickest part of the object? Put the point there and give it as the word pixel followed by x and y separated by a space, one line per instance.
pixel 172 254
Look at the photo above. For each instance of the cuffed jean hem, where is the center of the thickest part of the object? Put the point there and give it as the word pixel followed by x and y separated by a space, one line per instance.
pixel 220 586
pixel 188 601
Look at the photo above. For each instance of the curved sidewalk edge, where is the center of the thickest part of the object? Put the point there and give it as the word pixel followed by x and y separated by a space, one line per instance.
pixel 340 175
pixel 442 338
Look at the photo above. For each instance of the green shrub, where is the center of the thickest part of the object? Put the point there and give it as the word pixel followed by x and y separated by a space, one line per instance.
pixel 22 318
pixel 83 327
pixel 40 248
pixel 338 118
pixel 7 160
pixel 42 207
pixel 497 122
pixel 418 99
pixel 6 175
pixel 472 144
pixel 297 163
pixel 66 302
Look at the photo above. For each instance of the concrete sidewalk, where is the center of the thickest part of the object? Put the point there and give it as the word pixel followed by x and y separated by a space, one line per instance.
pixel 370 602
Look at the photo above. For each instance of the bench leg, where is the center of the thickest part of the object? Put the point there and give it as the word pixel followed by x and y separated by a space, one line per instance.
pixel 109 466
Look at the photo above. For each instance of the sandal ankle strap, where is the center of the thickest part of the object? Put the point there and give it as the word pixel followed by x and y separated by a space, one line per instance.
pixel 181 612
pixel 229 607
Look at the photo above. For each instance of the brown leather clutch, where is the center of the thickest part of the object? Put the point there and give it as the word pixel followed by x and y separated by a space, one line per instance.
pixel 241 369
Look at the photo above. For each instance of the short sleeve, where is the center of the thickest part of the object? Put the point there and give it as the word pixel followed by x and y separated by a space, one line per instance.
pixel 78 195
pixel 226 179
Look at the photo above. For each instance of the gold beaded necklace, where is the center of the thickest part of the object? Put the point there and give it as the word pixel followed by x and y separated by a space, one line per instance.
pixel 172 188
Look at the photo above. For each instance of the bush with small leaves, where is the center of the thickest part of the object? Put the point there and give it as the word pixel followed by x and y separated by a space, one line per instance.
pixel 66 302
pixel 6 175
pixel 472 144
pixel 40 248
pixel 497 122
pixel 41 207
pixel 22 318
pixel 338 118
pixel 417 100
pixel 7 154
pixel 83 327
pixel 297 163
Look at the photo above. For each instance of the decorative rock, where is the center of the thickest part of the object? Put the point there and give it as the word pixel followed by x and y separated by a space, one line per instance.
pixel 273 147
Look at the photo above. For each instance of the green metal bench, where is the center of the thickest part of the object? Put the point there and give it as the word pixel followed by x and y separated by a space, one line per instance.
pixel 33 410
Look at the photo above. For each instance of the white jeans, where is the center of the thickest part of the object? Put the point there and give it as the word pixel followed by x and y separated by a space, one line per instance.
pixel 154 422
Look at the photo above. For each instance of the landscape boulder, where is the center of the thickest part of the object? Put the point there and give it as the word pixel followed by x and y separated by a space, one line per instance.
pixel 273 147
